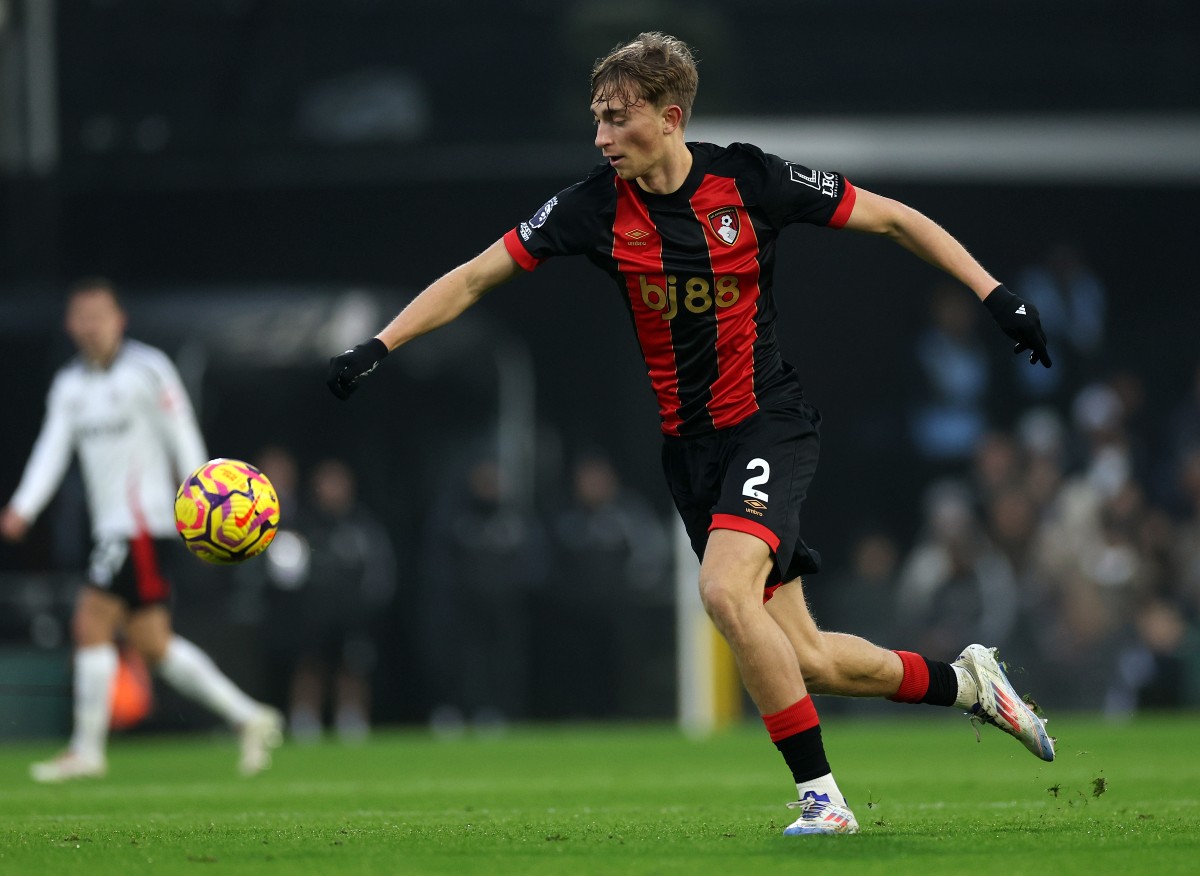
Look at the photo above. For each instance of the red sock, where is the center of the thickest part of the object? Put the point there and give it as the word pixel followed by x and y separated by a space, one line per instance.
pixel 915 683
pixel 796 732
pixel 926 681
pixel 796 718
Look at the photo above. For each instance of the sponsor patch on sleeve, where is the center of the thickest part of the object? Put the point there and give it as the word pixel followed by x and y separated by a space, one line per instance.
pixel 540 217
pixel 823 181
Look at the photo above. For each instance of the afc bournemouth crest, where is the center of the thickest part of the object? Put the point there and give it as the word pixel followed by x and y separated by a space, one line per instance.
pixel 725 224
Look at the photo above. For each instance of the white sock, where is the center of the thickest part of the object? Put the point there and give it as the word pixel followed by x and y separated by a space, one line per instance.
pixel 95 672
pixel 822 785
pixel 193 673
pixel 968 693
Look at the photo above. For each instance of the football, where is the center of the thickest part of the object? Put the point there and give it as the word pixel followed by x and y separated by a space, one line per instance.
pixel 226 511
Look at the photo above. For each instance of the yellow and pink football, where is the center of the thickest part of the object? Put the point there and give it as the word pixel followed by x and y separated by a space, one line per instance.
pixel 226 511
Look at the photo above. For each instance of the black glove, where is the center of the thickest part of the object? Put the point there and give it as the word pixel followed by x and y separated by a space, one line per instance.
pixel 351 366
pixel 1019 320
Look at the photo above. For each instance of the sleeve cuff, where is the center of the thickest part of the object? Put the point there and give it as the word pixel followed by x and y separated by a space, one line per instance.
pixel 842 214
pixel 516 249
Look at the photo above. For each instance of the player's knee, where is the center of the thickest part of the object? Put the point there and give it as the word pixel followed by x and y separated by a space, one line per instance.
pixel 152 650
pixel 150 642
pixel 725 605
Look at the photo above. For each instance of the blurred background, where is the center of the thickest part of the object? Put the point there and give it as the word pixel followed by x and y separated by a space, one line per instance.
pixel 268 182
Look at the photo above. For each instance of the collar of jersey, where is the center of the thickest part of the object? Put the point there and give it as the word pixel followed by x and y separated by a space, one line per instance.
pixel 682 196
pixel 89 365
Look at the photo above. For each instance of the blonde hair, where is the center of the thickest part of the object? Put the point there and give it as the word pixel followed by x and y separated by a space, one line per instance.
pixel 654 67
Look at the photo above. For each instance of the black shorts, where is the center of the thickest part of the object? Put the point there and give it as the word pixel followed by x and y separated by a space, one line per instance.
pixel 136 569
pixel 753 478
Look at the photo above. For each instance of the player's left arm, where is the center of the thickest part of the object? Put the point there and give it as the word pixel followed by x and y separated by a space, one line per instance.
pixel 920 235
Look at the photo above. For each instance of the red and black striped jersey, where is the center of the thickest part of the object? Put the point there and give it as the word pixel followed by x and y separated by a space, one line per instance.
pixel 695 268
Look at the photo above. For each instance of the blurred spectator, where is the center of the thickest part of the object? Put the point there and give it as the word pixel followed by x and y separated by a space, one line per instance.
pixel 1016 512
pixel 863 600
pixel 1099 419
pixel 610 534
pixel 268 594
pixel 1012 525
pixel 1156 670
pixel 1091 557
pixel 485 557
pixel 1182 440
pixel 279 568
pixel 948 414
pixel 954 584
pixel 1041 435
pixel 279 465
pixel 333 579
pixel 1108 415
pixel 1187 546
pixel 1183 425
pixel 997 466
pixel 613 558
pixel 1156 535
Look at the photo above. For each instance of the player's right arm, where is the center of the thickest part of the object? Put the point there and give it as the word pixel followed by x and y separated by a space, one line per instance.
pixel 441 302
pixel 446 298
pixel 45 469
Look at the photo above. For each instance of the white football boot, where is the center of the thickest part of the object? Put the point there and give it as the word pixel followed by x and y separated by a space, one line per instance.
pixel 819 816
pixel 259 735
pixel 67 767
pixel 999 704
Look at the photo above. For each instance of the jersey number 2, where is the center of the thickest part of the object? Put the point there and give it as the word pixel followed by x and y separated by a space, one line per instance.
pixel 751 483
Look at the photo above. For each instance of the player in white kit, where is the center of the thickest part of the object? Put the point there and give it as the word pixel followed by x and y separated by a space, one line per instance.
pixel 121 405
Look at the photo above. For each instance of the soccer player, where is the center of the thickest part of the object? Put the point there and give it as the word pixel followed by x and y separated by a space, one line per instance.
pixel 687 232
pixel 121 405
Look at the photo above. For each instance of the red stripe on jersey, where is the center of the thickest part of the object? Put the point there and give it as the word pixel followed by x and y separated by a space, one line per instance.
pixel 151 585
pixel 637 250
pixel 842 214
pixel 516 249
pixel 750 527
pixel 733 396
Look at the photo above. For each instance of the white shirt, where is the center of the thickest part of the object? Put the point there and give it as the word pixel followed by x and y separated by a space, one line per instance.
pixel 136 434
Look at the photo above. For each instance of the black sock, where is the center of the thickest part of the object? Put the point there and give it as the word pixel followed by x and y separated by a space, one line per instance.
pixel 804 753
pixel 943 684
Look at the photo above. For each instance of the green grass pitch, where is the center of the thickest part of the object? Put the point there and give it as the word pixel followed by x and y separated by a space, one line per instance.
pixel 1121 798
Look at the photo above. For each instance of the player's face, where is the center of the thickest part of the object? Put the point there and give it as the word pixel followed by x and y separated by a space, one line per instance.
pixel 630 135
pixel 96 324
